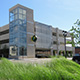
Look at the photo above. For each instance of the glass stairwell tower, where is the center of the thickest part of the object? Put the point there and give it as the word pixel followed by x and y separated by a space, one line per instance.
pixel 18 32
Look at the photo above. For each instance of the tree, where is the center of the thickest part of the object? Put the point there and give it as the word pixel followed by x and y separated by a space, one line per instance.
pixel 75 33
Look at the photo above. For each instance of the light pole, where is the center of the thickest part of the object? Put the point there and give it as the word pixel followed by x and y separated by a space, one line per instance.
pixel 65 34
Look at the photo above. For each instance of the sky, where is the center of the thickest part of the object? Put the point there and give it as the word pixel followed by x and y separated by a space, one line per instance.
pixel 58 13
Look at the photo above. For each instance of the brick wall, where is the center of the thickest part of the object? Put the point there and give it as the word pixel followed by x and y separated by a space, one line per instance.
pixel 77 49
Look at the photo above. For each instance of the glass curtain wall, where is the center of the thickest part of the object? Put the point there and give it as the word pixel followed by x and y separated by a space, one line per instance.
pixel 44 35
pixel 18 32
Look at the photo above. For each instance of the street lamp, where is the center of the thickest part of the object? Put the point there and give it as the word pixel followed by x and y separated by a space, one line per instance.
pixel 65 34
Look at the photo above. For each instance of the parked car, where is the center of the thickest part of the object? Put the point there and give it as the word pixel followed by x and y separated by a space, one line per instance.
pixel 76 58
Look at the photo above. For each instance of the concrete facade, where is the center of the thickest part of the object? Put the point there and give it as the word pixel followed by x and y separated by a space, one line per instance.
pixel 49 38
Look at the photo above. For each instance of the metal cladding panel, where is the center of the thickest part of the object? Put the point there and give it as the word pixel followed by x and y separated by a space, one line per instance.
pixel 44 35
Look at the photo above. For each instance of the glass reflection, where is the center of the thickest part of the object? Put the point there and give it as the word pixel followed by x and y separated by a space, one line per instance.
pixel 17 31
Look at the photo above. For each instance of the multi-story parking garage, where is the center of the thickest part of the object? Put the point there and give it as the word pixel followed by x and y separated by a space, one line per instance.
pixel 15 37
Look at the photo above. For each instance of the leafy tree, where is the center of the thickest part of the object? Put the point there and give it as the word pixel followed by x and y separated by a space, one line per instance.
pixel 75 33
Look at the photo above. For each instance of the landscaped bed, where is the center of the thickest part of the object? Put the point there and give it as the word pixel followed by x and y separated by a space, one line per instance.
pixel 57 69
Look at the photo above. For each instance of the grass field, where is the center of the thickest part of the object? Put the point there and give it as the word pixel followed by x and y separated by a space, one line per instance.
pixel 57 69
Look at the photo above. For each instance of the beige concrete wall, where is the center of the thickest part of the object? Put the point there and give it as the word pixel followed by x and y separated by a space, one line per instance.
pixel 30 33
pixel 61 47
pixel 30 27
pixel 60 39
pixel 5 27
pixel 54 47
pixel 4 37
pixel 54 30
pixel 69 49
pixel 54 38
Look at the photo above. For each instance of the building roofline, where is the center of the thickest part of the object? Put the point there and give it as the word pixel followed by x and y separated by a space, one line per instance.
pixel 42 23
pixel 19 5
pixel 4 25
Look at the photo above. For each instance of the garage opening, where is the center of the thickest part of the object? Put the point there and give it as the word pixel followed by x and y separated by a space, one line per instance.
pixel 4 53
pixel 42 53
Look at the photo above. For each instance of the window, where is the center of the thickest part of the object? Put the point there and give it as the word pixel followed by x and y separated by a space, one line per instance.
pixel 11 18
pixel 23 17
pixel 15 11
pixel 22 50
pixel 60 35
pixel 20 10
pixel 20 16
pixel 22 28
pixel 54 34
pixel 13 15
pixel 61 43
pixel 20 22
pixel 24 12
pixel 22 38
pixel 54 42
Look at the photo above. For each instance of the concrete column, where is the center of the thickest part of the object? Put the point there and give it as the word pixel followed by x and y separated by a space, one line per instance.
pixel 30 33
pixel 73 51
pixel 51 52
pixel 57 39
pixel 73 48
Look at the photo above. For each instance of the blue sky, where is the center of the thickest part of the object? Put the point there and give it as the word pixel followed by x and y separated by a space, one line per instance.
pixel 58 13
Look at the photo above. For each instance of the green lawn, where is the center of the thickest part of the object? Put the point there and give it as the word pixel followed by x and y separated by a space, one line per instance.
pixel 57 69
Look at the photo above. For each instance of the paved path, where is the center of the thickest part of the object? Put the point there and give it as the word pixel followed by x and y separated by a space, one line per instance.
pixel 34 60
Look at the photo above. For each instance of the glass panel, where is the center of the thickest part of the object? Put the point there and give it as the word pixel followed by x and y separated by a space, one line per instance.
pixel 22 50
pixel 15 11
pixel 11 18
pixel 20 10
pixel 20 22
pixel 22 38
pixel 24 24
pixel 15 16
pixel 24 12
pixel 20 16
pixel 22 28
pixel 24 17
pixel 11 13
